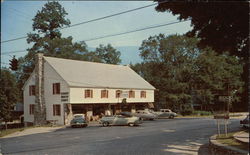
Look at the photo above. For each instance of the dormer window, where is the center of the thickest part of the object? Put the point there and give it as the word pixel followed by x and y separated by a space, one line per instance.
pixel 104 93
pixel 131 94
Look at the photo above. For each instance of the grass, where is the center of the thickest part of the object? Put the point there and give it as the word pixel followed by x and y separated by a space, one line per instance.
pixel 198 113
pixel 10 131
pixel 230 141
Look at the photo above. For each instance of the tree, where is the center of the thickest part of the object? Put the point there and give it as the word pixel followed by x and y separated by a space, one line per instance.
pixel 220 25
pixel 168 64
pixel 108 54
pixel 178 69
pixel 48 39
pixel 8 95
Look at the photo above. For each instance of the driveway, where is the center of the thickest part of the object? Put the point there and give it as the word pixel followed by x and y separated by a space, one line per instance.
pixel 164 136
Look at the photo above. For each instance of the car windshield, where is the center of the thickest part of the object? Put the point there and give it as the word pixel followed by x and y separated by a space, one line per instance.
pixel 78 116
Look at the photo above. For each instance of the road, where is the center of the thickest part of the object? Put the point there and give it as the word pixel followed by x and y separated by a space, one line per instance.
pixel 164 136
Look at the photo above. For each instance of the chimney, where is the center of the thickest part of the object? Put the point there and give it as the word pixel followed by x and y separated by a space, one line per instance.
pixel 40 109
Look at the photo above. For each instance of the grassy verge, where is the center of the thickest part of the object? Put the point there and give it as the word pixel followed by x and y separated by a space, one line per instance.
pixel 230 141
pixel 10 131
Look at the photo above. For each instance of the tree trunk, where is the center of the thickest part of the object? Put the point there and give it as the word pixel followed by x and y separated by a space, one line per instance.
pixel 6 125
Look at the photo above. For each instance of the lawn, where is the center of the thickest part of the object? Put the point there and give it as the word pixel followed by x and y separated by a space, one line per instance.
pixel 230 141
pixel 10 131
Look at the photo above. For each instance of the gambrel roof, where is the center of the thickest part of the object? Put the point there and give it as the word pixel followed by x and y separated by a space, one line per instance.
pixel 97 75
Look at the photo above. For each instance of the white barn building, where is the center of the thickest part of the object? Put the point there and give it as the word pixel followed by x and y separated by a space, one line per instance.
pixel 72 86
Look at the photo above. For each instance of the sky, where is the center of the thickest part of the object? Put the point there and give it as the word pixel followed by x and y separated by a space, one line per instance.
pixel 16 21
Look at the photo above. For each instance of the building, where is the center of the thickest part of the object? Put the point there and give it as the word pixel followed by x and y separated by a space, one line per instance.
pixel 71 86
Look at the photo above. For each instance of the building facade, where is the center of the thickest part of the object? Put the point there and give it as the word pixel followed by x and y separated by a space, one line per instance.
pixel 73 87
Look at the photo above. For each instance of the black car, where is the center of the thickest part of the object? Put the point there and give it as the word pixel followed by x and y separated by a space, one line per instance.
pixel 245 122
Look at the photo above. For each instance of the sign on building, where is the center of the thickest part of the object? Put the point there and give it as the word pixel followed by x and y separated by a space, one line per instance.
pixel 64 96
pixel 124 94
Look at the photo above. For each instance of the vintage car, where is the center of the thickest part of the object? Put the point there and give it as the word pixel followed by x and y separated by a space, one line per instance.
pixel 165 113
pixel 120 120
pixel 245 122
pixel 78 121
pixel 145 115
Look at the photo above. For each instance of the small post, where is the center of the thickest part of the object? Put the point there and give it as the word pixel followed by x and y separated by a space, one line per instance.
pixel 225 121
pixel 218 126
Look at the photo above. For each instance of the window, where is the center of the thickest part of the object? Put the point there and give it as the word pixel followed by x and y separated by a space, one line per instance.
pixel 32 109
pixel 88 93
pixel 143 94
pixel 131 94
pixel 56 110
pixel 118 93
pixel 104 93
pixel 32 90
pixel 56 88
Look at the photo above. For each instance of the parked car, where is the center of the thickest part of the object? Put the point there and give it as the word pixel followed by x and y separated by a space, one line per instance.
pixel 78 116
pixel 120 120
pixel 165 113
pixel 78 121
pixel 145 115
pixel 245 122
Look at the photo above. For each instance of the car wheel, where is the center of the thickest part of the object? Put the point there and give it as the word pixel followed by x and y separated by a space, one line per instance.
pixel 171 116
pixel 131 124
pixel 105 124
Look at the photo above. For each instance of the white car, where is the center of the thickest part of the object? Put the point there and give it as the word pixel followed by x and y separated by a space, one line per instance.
pixel 165 113
pixel 120 120
pixel 145 115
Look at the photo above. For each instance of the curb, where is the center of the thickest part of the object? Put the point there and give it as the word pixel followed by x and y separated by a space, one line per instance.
pixel 217 148
pixel 238 139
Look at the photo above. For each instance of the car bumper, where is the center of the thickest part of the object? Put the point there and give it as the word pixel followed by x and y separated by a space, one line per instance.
pixel 79 124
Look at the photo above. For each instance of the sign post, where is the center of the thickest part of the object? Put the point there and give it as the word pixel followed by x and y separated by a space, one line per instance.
pixel 223 117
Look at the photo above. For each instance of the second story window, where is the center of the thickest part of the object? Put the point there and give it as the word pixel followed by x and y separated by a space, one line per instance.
pixel 131 94
pixel 32 90
pixel 56 88
pixel 104 93
pixel 143 94
pixel 32 109
pixel 118 93
pixel 88 93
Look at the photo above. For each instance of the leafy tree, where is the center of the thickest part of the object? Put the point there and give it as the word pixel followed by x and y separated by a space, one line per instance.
pixel 8 95
pixel 220 25
pixel 179 70
pixel 108 54
pixel 48 39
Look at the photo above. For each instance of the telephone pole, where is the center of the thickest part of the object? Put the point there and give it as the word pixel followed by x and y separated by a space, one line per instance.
pixel 40 109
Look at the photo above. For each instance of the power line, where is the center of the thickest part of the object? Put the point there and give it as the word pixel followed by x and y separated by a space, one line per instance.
pixel 117 34
pixel 19 51
pixel 132 31
pixel 93 20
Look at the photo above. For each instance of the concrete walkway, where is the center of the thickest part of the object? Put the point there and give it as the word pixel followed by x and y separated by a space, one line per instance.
pixel 34 130
pixel 242 136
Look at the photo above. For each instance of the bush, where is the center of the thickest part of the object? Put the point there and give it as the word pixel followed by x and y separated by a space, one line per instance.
pixel 186 112
pixel 202 113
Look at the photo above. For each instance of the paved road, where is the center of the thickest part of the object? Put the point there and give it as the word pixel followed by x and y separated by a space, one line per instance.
pixel 165 136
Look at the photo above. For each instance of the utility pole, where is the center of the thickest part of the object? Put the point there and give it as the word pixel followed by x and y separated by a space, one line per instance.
pixel 40 109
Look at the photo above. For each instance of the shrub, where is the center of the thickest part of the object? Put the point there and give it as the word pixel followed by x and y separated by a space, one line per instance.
pixel 202 113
